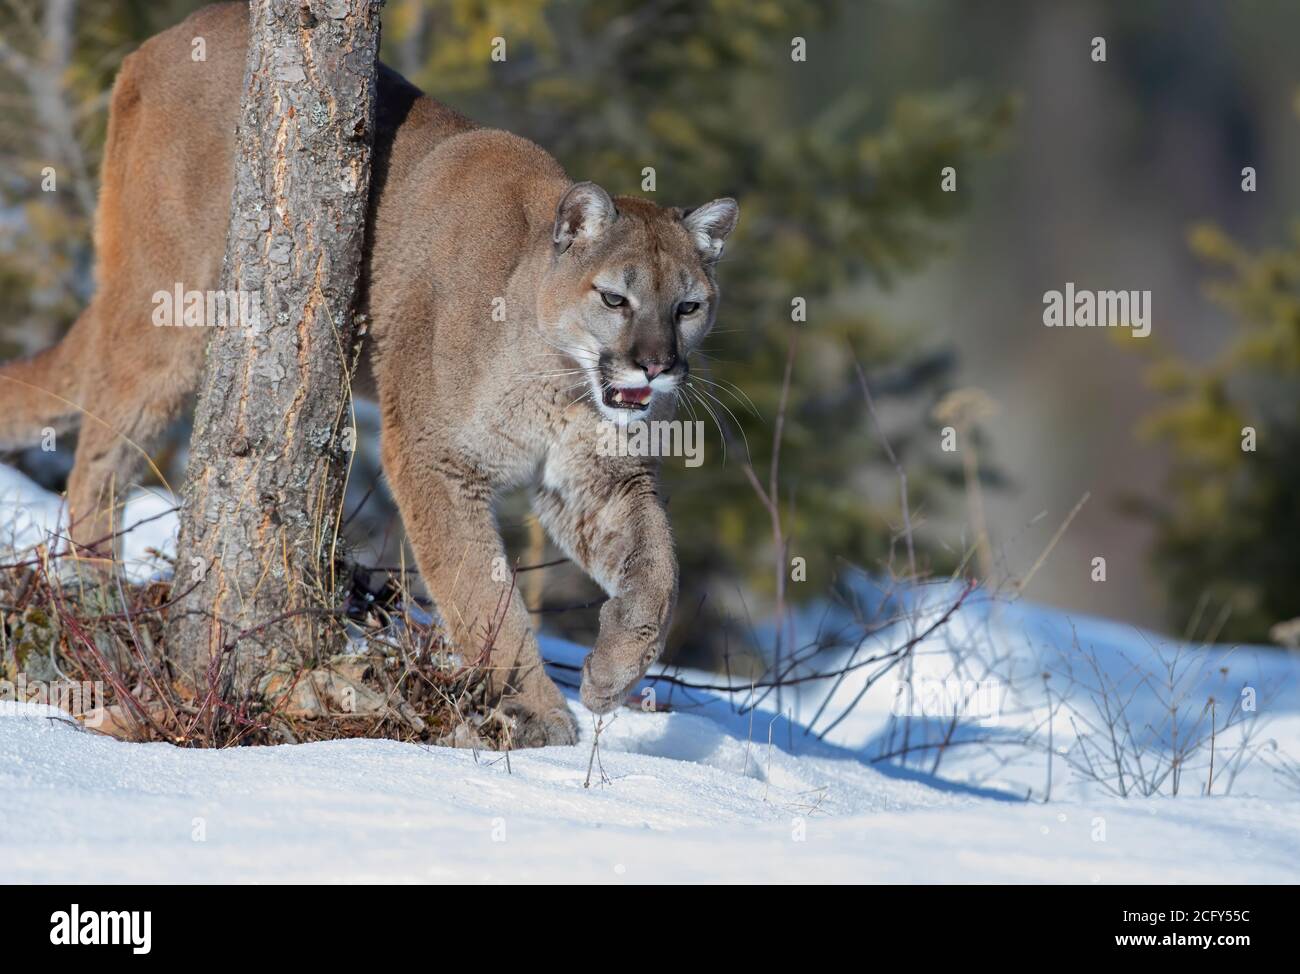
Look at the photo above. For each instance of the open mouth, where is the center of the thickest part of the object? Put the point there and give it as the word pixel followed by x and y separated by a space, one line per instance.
pixel 622 397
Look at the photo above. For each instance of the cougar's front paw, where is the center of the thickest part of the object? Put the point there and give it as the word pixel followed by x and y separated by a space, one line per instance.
pixel 620 658
pixel 534 728
pixel 603 697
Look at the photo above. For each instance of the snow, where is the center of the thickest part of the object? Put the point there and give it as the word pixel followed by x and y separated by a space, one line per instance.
pixel 1020 641
pixel 78 807
pixel 31 515
pixel 695 794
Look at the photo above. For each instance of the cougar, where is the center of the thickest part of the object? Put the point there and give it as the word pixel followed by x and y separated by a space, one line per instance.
pixel 603 299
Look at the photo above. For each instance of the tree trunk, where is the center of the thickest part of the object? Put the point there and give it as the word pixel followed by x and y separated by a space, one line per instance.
pixel 273 430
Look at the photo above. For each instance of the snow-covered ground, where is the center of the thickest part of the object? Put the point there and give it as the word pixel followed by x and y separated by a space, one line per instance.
pixel 694 794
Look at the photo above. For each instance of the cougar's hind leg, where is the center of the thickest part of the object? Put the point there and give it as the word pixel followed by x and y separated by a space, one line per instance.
pixel 125 413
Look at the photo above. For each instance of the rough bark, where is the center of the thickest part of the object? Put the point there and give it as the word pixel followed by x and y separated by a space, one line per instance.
pixel 272 430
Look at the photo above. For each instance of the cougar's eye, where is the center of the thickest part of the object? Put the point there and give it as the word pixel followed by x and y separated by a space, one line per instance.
pixel 687 308
pixel 612 300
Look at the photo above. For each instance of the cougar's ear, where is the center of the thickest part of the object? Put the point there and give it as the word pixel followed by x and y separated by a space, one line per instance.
pixel 709 225
pixel 585 212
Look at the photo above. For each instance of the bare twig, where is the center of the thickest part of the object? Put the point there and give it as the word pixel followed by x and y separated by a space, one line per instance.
pixel 771 500
pixel 1060 532
pixel 898 468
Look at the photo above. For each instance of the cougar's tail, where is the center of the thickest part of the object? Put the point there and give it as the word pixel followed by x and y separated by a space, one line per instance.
pixel 40 393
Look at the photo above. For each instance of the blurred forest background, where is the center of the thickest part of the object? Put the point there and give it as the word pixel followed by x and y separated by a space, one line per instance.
pixel 1123 174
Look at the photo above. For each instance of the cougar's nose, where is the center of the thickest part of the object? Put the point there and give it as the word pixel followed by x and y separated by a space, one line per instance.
pixel 653 367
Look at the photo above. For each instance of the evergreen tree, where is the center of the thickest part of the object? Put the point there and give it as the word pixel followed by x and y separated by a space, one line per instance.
pixel 1229 518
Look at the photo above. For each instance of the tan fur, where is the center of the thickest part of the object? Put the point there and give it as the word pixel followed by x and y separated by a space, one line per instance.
pixel 471 405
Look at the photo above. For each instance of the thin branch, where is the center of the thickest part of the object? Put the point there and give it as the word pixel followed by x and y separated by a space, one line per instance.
pixel 898 468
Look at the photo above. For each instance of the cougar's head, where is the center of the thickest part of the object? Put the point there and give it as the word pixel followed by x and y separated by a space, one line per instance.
pixel 630 293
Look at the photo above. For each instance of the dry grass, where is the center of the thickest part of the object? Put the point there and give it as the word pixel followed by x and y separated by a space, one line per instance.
pixel 68 624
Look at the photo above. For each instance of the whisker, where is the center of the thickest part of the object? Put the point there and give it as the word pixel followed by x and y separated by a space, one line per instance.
pixel 716 422
pixel 552 374
pixel 690 407
pixel 741 428
pixel 600 380
pixel 581 354
pixel 733 416
pixel 735 390
pixel 573 385
pixel 585 394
